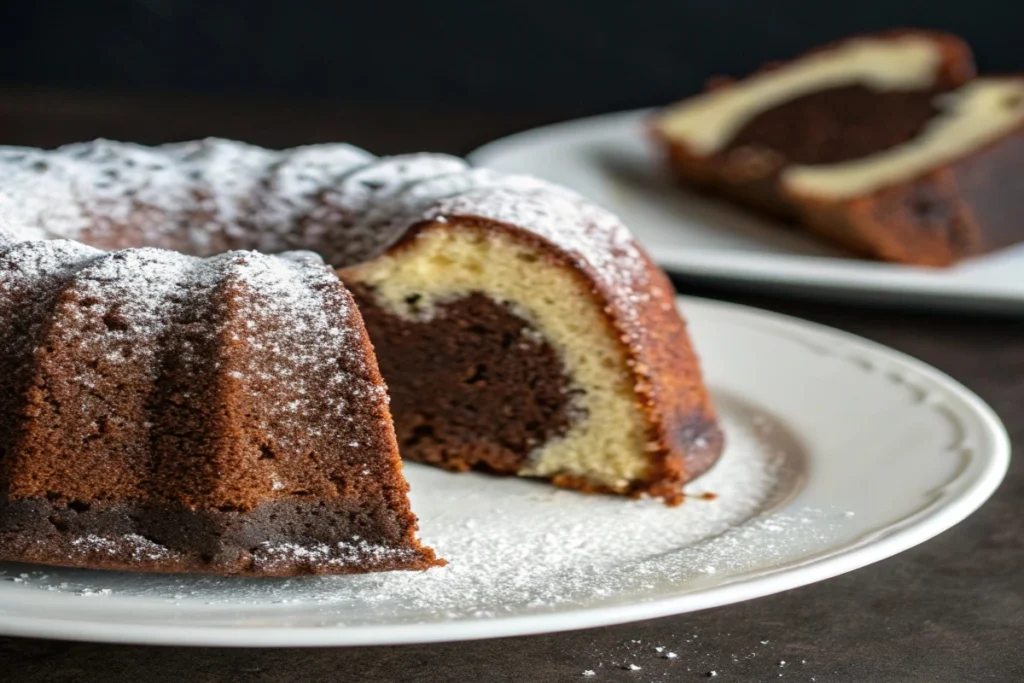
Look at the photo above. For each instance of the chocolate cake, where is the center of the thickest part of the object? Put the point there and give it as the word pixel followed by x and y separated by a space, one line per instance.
pixel 174 398
pixel 882 143
pixel 166 412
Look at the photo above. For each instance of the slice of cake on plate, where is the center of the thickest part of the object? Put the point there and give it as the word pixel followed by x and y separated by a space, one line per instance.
pixel 882 143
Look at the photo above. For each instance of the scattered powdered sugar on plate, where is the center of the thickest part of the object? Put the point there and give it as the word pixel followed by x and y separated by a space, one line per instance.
pixel 517 546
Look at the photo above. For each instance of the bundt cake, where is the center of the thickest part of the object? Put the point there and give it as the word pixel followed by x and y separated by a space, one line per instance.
pixel 176 399
pixel 882 143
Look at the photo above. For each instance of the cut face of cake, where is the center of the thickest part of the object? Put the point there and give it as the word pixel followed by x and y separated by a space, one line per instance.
pixel 871 142
pixel 172 398
pixel 506 350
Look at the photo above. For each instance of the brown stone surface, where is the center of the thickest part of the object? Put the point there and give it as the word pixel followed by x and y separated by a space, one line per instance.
pixel 948 611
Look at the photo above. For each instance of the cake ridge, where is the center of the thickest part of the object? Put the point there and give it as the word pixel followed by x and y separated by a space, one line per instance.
pixel 354 197
pixel 293 185
pixel 31 276
pixel 100 324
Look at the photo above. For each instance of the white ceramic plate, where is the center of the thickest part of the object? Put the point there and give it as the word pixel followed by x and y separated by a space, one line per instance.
pixel 841 453
pixel 608 159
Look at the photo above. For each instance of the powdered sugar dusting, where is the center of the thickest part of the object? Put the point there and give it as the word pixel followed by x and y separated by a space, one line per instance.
pixel 592 235
pixel 518 547
pixel 321 554
pixel 139 547
pixel 294 187
pixel 208 196
pixel 300 333
pixel 126 292
pixel 343 225
pixel 224 178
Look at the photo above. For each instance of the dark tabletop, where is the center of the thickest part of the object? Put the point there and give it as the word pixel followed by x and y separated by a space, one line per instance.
pixel 951 609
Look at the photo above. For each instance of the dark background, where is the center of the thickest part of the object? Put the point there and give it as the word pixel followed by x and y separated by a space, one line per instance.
pixel 553 55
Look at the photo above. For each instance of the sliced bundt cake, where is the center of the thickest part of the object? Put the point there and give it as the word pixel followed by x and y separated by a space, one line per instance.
pixel 885 144
pixel 843 101
pixel 171 406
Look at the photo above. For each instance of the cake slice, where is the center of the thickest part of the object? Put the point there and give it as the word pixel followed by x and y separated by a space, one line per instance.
pixel 871 142
pixel 171 413
pixel 954 190
pixel 522 331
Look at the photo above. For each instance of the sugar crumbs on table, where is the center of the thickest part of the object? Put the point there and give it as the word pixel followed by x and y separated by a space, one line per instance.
pixel 589 673
pixel 633 667
pixel 671 655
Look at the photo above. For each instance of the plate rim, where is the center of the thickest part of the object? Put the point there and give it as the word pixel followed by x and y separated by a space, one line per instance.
pixel 912 532
pixel 799 272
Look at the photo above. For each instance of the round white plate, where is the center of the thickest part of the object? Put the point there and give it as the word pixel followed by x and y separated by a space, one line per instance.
pixel 610 160
pixel 840 453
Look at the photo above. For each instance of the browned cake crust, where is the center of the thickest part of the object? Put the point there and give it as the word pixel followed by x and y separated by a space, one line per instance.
pixel 279 538
pixel 688 436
